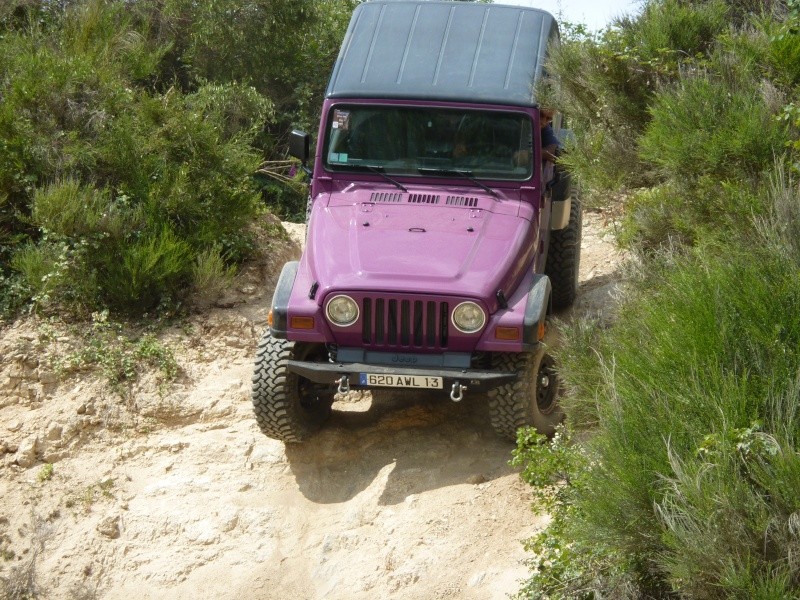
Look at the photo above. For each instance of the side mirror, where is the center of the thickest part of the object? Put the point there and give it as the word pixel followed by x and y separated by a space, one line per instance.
pixel 300 145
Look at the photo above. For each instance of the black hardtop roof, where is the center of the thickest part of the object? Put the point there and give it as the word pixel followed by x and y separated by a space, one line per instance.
pixel 443 50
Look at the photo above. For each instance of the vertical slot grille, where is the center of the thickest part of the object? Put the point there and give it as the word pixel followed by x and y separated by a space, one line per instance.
pixel 390 323
pixel 385 197
pixel 431 323
pixel 366 332
pixel 380 328
pixel 405 323
pixel 443 324
pixel 418 323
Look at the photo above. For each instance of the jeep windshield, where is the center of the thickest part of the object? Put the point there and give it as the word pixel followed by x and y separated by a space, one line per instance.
pixel 423 141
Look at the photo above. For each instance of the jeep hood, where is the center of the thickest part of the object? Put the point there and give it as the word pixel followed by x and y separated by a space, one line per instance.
pixel 408 247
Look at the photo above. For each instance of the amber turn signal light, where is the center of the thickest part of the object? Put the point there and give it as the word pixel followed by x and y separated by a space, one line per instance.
pixel 269 319
pixel 509 334
pixel 301 322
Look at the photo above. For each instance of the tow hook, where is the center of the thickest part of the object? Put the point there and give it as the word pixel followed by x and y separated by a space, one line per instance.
pixel 344 384
pixel 457 392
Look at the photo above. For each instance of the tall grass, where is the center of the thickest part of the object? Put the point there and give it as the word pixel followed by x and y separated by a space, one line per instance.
pixel 686 481
pixel 689 484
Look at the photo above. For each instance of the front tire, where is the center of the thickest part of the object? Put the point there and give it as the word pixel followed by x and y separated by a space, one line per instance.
pixel 288 407
pixel 564 257
pixel 532 399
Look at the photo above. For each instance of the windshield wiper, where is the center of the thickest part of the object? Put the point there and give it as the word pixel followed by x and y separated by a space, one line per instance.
pixel 379 171
pixel 464 174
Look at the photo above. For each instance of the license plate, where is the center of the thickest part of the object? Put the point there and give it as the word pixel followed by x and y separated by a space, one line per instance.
pixel 400 381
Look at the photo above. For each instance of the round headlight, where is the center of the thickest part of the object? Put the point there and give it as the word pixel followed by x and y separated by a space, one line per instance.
pixel 342 311
pixel 468 317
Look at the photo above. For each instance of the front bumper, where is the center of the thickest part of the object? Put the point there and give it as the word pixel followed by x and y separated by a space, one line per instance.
pixel 332 373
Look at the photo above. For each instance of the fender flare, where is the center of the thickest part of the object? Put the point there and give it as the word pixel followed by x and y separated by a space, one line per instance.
pixel 280 300
pixel 536 310
pixel 561 194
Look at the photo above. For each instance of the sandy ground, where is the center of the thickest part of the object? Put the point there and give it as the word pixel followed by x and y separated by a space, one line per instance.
pixel 173 492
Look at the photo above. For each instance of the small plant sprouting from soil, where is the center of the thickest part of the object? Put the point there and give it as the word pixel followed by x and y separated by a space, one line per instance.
pixel 118 352
pixel 91 494
pixel 45 473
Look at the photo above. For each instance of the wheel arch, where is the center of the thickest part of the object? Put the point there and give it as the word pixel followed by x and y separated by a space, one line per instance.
pixel 537 308
pixel 280 299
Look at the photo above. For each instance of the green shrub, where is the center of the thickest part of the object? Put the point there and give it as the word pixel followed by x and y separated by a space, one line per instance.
pixel 604 95
pixel 605 84
pixel 685 484
pixel 694 393
pixel 69 209
pixel 149 270
pixel 684 213
pixel 565 564
pixel 210 274
pixel 784 57
pixel 671 31
pixel 106 185
pixel 709 126
pixel 280 47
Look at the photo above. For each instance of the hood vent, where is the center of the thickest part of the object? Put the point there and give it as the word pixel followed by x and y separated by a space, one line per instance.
pixel 424 198
pixel 462 201
pixel 386 197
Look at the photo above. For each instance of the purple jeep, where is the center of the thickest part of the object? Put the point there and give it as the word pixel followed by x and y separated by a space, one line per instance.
pixel 438 243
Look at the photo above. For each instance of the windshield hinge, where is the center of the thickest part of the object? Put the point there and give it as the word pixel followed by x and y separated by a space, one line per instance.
pixel 501 299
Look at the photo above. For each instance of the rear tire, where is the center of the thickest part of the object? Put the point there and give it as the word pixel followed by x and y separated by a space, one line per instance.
pixel 564 257
pixel 531 399
pixel 288 407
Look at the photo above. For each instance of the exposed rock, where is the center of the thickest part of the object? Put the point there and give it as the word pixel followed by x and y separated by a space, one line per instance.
pixel 26 454
pixel 109 527
pixel 54 432
pixel 47 377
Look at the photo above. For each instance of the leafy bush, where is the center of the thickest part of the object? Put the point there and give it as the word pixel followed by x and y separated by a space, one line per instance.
pixel 110 191
pixel 681 214
pixel 709 126
pixel 691 483
pixel 605 84
pixel 604 95
pixel 671 31
pixel 280 47
pixel 210 274
pixel 686 484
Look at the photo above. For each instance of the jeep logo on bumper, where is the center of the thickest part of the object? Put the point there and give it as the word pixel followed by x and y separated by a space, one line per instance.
pixel 404 359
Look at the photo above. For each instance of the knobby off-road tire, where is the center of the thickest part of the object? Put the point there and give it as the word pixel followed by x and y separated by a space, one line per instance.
pixel 288 407
pixel 532 399
pixel 564 257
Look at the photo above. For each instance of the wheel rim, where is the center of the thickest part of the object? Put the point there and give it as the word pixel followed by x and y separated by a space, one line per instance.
pixel 546 385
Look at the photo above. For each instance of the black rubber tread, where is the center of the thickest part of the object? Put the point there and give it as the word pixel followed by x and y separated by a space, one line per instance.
pixel 514 404
pixel 283 411
pixel 564 257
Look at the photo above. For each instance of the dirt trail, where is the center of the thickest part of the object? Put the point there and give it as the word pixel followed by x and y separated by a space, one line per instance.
pixel 174 493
